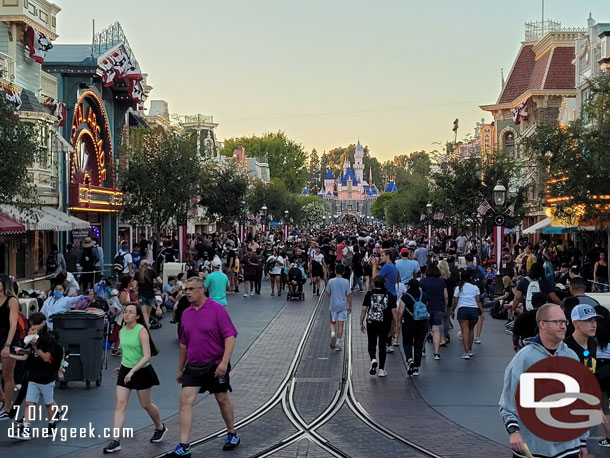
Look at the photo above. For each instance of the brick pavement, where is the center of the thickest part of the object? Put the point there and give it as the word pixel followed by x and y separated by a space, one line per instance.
pixel 254 379
pixel 395 403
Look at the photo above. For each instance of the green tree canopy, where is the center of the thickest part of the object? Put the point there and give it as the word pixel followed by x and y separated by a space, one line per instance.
pixel 287 158
pixel 222 190
pixel 19 149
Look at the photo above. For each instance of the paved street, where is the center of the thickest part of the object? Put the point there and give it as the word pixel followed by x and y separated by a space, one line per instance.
pixel 293 396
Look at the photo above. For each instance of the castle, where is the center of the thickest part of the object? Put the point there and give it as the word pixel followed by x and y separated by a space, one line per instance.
pixel 350 196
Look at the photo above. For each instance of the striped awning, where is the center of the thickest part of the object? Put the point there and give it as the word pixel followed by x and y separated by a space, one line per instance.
pixel 9 226
pixel 45 219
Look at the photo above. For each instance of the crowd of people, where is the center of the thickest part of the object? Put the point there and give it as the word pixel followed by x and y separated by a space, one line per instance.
pixel 414 290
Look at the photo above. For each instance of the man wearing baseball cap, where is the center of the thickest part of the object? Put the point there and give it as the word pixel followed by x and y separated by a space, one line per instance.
pixel 582 341
pixel 217 283
pixel 407 268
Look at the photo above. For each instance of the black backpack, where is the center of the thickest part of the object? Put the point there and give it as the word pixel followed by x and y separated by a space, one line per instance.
pixel 498 312
pixel 478 279
pixel 52 263
pixel 118 265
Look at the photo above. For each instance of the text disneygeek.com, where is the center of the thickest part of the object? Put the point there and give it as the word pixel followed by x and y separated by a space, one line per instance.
pixel 64 434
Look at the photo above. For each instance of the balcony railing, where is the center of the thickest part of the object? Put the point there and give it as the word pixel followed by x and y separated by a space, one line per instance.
pixel 7 68
pixel 48 84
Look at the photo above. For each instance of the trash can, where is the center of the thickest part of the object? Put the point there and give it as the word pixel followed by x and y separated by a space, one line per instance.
pixel 81 334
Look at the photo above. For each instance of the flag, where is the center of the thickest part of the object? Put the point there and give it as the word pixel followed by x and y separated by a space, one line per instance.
pixel 520 112
pixel 439 215
pixel 511 210
pixel 484 208
pixel 13 96
pixel 39 45
pixel 59 109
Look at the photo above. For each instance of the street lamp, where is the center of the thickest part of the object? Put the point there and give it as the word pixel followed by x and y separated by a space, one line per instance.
pixel 429 222
pixel 264 218
pixel 499 194
pixel 286 228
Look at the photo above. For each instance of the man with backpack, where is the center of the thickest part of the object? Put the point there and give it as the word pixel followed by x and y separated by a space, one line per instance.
pixel 88 259
pixel 123 261
pixel 55 261
pixel 414 325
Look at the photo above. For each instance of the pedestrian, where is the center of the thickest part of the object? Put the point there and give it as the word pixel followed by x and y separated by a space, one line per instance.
pixel 146 278
pixel 135 373
pixel 44 356
pixel 414 325
pixel 71 259
pixel 602 372
pixel 88 259
pixel 340 294
pixel 58 303
pixel 421 256
pixel 206 344
pixel 249 263
pixel 317 266
pixel 275 265
pixel 55 261
pixel 582 341
pixel 407 268
pixel 391 275
pixel 549 342
pixel 9 315
pixel 467 303
pixel 99 260
pixel 600 274
pixel 435 288
pixel 217 283
pixel 377 308
pixel 123 262
pixel 128 289
pixel 260 262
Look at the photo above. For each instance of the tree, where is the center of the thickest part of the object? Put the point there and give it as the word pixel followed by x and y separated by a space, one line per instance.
pixel 313 213
pixel 286 157
pixel 162 179
pixel 315 173
pixel 574 157
pixel 19 149
pixel 378 208
pixel 223 188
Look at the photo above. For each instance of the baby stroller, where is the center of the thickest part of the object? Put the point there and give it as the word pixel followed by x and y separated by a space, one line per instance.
pixel 296 279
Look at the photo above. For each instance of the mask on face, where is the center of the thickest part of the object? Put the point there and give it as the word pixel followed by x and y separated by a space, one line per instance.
pixel 58 294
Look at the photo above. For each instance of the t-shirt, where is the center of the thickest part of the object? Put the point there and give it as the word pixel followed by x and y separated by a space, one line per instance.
pixel 387 316
pixel 146 287
pixel 467 296
pixel 338 288
pixel 278 263
pixel 204 331
pixel 590 360
pixel 461 242
pixel 127 259
pixel 168 288
pixel 217 283
pixel 390 273
pixel 525 282
pixel 434 288
pixel 131 346
pixel 407 269
pixel 421 254
pixel 41 371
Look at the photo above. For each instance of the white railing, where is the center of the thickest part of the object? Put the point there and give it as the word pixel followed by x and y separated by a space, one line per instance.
pixel 7 68
pixel 48 85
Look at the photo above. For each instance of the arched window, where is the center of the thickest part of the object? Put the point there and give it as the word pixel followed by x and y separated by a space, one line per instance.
pixel 509 142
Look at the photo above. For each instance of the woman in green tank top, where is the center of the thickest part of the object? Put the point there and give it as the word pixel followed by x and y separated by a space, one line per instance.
pixel 135 373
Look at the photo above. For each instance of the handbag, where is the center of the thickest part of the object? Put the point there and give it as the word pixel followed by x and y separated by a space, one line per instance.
pixel 200 369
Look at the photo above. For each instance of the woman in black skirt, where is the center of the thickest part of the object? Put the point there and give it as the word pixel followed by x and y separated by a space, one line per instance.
pixel 135 373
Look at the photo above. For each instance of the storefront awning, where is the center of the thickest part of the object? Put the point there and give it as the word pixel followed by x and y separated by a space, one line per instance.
pixel 567 230
pixel 9 226
pixel 538 227
pixel 45 219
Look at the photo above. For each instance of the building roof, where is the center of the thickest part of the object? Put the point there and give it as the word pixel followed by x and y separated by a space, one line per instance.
pixel 359 148
pixel 552 69
pixel 29 102
pixel 329 175
pixel 391 187
pixel 304 192
pixel 72 55
pixel 349 175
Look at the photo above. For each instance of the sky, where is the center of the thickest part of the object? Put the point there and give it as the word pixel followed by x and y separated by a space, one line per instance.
pixel 393 74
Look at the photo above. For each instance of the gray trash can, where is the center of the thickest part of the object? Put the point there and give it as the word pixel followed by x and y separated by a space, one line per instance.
pixel 81 334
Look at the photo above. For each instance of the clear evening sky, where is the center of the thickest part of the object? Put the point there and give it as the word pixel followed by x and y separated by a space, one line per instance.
pixel 394 74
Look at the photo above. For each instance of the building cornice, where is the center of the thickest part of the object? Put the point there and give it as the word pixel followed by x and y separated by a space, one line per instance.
pixel 526 95
pixel 26 20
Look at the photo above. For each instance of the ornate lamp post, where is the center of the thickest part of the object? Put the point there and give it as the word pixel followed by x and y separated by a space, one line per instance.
pixel 429 222
pixel 499 198
pixel 286 224
pixel 242 222
pixel 264 218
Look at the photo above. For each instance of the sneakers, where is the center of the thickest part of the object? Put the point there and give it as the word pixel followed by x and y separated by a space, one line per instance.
pixel 389 349
pixel 117 352
pixel 231 442
pixel 394 343
pixel 113 446
pixel 333 341
pixel 410 368
pixel 437 356
pixel 416 372
pixel 3 413
pixel 338 347
pixel 24 433
pixel 465 356
pixel 459 334
pixel 272 293
pixel 251 293
pixel 382 373
pixel 477 340
pixel 245 294
pixel 180 450
pixel 471 353
pixel 159 434
pixel 373 369
pixel 604 443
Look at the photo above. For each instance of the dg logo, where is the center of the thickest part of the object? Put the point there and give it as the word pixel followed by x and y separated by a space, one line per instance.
pixel 558 399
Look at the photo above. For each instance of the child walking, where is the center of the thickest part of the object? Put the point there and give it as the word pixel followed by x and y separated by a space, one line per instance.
pixel 339 291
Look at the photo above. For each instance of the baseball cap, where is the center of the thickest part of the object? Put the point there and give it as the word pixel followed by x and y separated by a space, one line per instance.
pixel 583 312
pixel 404 250
pixel 216 263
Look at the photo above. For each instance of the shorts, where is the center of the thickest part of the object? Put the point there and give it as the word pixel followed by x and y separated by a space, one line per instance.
pixel 338 316
pixel 143 379
pixel 251 277
pixel 468 314
pixel 436 317
pixel 36 390
pixel 230 274
pixel 4 336
pixel 146 301
pixel 274 275
pixel 207 381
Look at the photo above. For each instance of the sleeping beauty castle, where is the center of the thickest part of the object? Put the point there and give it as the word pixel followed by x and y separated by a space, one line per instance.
pixel 350 196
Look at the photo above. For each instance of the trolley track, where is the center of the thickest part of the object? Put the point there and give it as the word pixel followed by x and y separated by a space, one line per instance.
pixel 284 396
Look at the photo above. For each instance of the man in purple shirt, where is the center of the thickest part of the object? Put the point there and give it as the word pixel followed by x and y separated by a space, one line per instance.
pixel 206 345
